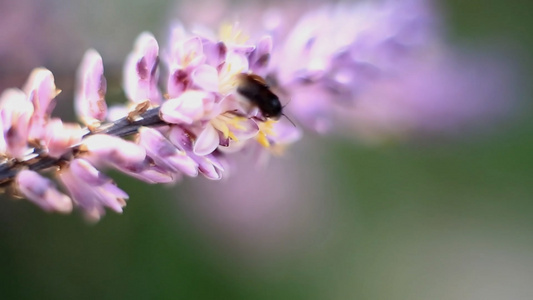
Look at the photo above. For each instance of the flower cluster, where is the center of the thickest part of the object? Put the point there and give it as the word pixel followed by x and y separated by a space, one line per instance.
pixel 376 68
pixel 192 129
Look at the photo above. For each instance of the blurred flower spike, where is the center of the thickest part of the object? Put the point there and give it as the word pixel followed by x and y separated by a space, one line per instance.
pixel 220 99
pixel 381 70
pixel 334 54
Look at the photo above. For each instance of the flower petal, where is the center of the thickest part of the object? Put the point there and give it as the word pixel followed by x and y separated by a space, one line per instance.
pixel 141 70
pixel 42 90
pixel 187 108
pixel 15 114
pixel 165 154
pixel 207 141
pixel 42 192
pixel 260 57
pixel 91 189
pixel 91 87
pixel 205 77
pixel 113 150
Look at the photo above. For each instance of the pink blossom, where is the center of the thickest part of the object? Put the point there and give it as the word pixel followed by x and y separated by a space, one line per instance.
pixel 188 108
pixel 41 91
pixel 165 154
pixel 91 189
pixel 89 99
pixel 202 120
pixel 42 192
pixel 379 69
pixel 141 70
pixel 15 113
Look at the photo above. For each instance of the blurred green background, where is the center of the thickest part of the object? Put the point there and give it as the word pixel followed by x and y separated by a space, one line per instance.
pixel 440 220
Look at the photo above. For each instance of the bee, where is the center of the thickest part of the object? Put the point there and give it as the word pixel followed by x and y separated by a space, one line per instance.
pixel 255 89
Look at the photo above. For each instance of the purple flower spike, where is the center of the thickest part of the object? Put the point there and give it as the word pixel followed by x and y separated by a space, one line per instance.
pixel 41 91
pixel 141 70
pixel 377 66
pixel 42 192
pixel 15 114
pixel 91 189
pixel 89 98
pixel 209 111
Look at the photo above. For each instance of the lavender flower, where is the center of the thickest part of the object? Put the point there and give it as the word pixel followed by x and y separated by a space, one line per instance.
pixel 339 64
pixel 194 128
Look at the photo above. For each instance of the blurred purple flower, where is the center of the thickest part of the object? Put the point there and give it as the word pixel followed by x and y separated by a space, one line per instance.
pixel 447 94
pixel 336 52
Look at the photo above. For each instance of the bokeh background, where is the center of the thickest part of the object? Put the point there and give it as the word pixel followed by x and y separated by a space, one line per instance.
pixel 433 218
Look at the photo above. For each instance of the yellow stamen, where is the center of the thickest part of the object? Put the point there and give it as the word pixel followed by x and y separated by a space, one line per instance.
pixel 225 31
pixel 233 137
pixel 223 122
pixel 262 139
pixel 225 130
pixel 266 129
pixel 221 126
pixel 237 122
pixel 228 78
pixel 231 34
